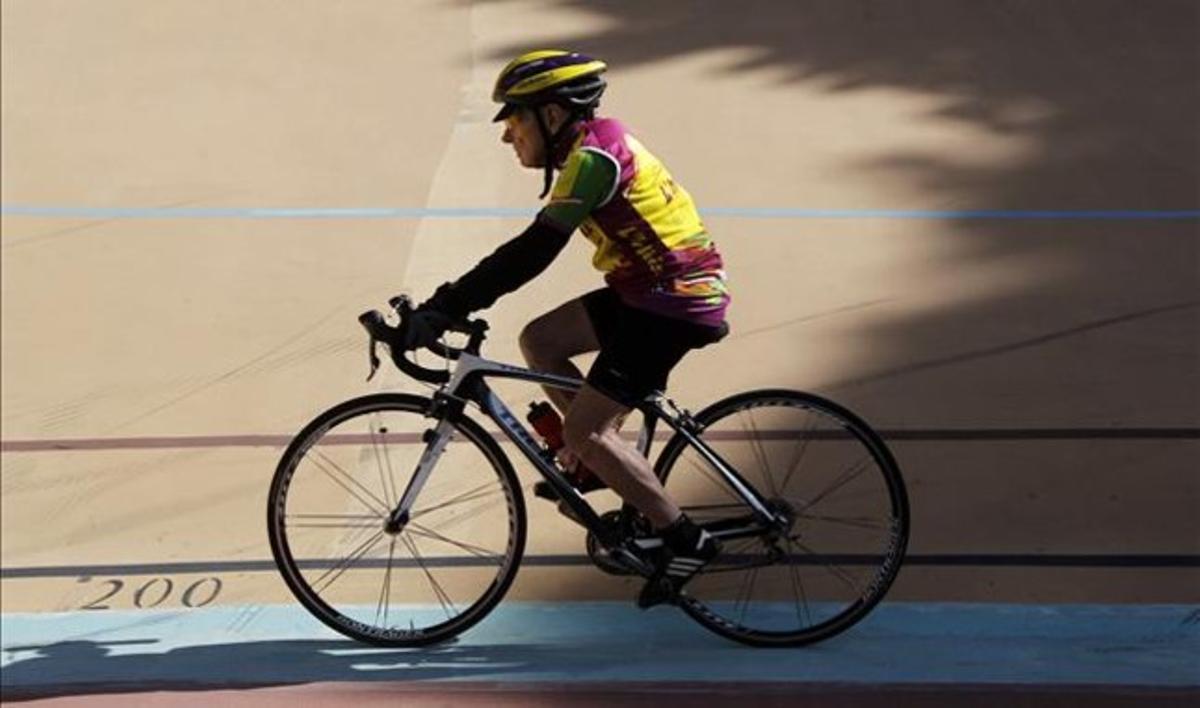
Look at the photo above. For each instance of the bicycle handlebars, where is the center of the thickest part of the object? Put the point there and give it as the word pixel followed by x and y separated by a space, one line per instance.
pixel 380 331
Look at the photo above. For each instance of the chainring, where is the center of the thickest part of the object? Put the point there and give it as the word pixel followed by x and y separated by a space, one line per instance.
pixel 628 525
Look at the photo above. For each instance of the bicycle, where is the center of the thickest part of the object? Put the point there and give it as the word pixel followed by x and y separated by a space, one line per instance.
pixel 800 564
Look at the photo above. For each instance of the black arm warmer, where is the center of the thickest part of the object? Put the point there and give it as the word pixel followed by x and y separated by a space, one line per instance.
pixel 509 267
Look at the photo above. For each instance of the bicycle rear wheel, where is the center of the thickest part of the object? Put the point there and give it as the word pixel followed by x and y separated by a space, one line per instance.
pixel 834 479
pixel 434 577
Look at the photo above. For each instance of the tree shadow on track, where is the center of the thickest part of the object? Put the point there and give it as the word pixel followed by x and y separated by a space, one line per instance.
pixel 1104 93
pixel 1077 322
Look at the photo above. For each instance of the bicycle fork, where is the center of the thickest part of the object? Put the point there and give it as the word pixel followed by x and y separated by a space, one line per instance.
pixel 435 440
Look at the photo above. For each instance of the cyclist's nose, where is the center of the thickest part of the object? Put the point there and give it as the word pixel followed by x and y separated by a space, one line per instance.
pixel 507 137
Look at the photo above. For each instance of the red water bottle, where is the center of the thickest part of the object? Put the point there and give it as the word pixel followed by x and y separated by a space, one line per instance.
pixel 546 422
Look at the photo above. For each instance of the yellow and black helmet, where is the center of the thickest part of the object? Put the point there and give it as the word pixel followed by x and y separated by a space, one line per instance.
pixel 550 76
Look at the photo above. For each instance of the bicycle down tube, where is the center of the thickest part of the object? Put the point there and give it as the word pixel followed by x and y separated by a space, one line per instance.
pixel 465 387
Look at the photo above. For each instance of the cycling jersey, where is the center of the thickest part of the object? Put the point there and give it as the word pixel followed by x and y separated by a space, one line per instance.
pixel 650 243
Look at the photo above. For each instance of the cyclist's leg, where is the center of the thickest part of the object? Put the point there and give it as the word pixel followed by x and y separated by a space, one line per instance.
pixel 549 342
pixel 590 432
pixel 638 351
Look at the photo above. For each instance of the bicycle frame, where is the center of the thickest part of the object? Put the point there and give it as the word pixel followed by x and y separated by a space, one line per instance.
pixel 468 384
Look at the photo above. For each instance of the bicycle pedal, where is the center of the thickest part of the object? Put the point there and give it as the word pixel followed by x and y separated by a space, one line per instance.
pixel 658 591
pixel 567 511
pixel 638 564
pixel 544 490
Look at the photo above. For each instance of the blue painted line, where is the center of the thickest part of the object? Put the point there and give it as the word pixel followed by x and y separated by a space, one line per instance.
pixel 83 212
pixel 953 214
pixel 78 212
pixel 899 643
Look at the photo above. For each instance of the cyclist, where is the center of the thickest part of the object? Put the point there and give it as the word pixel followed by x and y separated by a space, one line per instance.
pixel 665 293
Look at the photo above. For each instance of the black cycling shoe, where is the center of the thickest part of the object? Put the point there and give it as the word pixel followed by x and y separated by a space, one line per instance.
pixel 687 549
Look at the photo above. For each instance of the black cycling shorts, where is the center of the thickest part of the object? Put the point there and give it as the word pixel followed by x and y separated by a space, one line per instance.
pixel 638 349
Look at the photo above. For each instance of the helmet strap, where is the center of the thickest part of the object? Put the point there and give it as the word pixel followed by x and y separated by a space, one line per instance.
pixel 550 142
pixel 548 147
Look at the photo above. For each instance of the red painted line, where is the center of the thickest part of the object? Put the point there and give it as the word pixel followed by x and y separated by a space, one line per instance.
pixel 208 441
pixel 187 441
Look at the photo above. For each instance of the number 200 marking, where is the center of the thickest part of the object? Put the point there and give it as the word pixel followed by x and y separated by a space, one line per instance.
pixel 146 597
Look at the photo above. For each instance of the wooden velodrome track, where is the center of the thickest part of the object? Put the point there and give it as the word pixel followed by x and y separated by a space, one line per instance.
pixel 974 224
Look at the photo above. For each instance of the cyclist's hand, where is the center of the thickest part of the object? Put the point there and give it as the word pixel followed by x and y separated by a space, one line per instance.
pixel 425 327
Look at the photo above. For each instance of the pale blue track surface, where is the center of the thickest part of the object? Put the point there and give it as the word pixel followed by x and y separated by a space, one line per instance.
pixel 900 643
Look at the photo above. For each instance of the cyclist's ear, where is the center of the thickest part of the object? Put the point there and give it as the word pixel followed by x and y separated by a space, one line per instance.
pixel 555 116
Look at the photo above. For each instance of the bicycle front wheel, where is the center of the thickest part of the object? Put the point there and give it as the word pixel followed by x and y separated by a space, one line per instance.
pixel 824 470
pixel 437 574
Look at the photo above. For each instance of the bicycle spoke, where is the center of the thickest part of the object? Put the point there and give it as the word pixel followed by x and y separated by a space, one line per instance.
pixel 360 525
pixel 855 470
pixel 707 473
pixel 332 521
pixel 761 452
pixel 442 597
pixel 470 495
pixel 385 592
pixel 318 454
pixel 474 550
pixel 376 444
pixel 835 570
pixel 749 591
pixel 857 522
pixel 371 517
pixel 345 563
pixel 468 514
pixel 802 448
pixel 798 586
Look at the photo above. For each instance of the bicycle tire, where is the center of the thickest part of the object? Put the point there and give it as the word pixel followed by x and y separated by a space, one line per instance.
pixel 292 569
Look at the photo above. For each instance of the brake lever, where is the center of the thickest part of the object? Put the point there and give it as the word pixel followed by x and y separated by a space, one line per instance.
pixel 374 358
pixel 372 321
pixel 402 304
